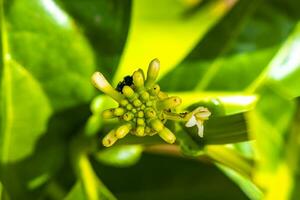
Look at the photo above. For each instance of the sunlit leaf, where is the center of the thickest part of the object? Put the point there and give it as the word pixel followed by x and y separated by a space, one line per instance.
pixel 235 51
pixel 23 103
pixel 159 27
pixel 285 67
pixel 45 40
pixel 268 124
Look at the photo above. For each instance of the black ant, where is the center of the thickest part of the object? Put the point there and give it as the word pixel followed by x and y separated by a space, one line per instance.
pixel 126 81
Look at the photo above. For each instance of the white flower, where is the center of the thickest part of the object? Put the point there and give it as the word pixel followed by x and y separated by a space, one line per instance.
pixel 198 116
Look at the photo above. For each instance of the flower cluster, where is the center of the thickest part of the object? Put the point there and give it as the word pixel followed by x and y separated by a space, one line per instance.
pixel 143 108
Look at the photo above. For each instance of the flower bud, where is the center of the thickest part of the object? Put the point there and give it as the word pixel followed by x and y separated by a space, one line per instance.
pixel 102 84
pixel 152 73
pixel 128 116
pixel 129 107
pixel 155 90
pixel 145 96
pixel 119 111
pixel 170 102
pixel 161 95
pixel 137 103
pixel 138 80
pixel 123 130
pixel 124 102
pixel 140 121
pixel 157 125
pixel 108 114
pixel 140 114
pixel 150 113
pixel 167 135
pixel 109 139
pixel 129 93
pixel 140 131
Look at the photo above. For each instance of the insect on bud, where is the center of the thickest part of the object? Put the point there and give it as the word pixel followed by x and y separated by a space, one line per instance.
pixel 143 108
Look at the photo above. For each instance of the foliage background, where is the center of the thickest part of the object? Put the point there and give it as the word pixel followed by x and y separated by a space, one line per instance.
pixel 245 53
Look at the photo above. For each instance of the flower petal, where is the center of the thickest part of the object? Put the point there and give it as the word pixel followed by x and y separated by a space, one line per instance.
pixel 192 122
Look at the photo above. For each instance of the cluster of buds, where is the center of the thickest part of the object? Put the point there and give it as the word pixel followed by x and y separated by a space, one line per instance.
pixel 143 108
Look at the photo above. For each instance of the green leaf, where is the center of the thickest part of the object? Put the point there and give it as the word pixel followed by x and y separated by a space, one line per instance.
pixel 168 177
pixel 252 191
pixel 235 51
pixel 156 31
pixel 105 23
pixel 268 124
pixel 76 193
pixel 120 156
pixel 24 112
pixel 46 41
pixel 284 69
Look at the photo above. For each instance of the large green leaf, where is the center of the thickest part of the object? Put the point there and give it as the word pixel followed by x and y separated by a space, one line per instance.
pixel 235 51
pixel 46 41
pixel 268 124
pixel 24 112
pixel 159 27
pixel 284 69
pixel 24 107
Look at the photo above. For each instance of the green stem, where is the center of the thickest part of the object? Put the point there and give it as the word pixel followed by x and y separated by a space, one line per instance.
pixel 81 147
pixel 230 158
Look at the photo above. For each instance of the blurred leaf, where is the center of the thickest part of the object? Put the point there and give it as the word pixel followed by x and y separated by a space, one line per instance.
pixel 250 189
pixel 159 27
pixel 284 69
pixel 52 49
pixel 105 23
pixel 233 61
pixel 163 177
pixel 120 156
pixel 23 103
pixel 27 177
pixel 213 45
pixel 285 180
pixel 268 124
pixel 77 193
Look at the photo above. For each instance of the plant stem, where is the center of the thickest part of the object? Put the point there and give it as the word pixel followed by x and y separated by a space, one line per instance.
pixel 230 158
pixel 212 153
pixel 81 147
